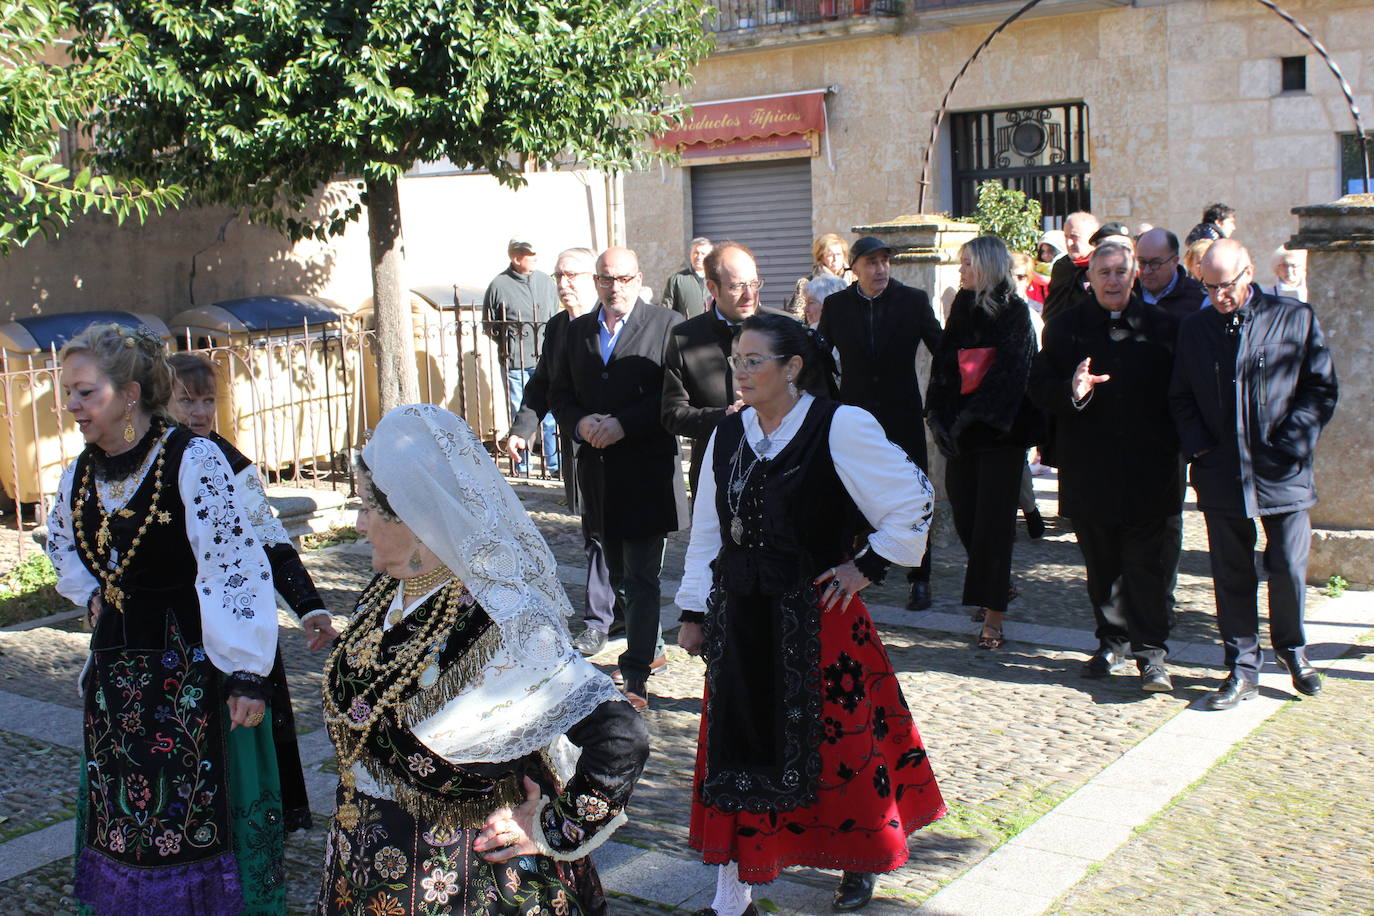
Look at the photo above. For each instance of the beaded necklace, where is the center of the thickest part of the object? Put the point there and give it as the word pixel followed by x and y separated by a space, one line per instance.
pixel 351 729
pixel 100 562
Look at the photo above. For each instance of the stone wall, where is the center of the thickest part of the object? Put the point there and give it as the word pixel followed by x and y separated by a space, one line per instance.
pixel 1183 97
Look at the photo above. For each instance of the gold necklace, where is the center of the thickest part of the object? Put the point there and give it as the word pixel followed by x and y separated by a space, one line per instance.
pixel 419 585
pixel 110 578
pixel 350 731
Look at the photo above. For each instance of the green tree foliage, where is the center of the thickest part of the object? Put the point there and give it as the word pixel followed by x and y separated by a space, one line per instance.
pixel 259 104
pixel 1009 215
pixel 42 88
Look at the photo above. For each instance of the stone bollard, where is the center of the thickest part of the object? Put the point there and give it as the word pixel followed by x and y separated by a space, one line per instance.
pixel 925 254
pixel 1339 238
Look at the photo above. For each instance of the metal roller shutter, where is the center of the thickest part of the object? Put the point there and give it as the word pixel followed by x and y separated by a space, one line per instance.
pixel 765 206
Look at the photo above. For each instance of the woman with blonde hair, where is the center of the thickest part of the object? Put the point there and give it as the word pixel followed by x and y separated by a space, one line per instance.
pixel 180 805
pixel 828 256
pixel 1192 257
pixel 983 423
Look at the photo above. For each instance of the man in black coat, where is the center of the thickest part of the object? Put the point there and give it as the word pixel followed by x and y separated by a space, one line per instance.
pixel 1253 385
pixel 1103 373
pixel 876 324
pixel 1163 281
pixel 607 395
pixel 698 386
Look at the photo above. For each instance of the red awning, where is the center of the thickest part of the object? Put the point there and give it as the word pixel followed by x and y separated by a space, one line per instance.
pixel 714 123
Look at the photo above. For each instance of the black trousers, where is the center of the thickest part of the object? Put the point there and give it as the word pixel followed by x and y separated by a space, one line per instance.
pixel 984 489
pixel 635 565
pixel 1231 546
pixel 1130 571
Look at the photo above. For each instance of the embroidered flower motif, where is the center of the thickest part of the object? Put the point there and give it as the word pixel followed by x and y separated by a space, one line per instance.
pixel 345 847
pixel 169 844
pixel 171 658
pixel 844 682
pixel 439 885
pixel 881 783
pixel 190 697
pixel 572 831
pixel 560 903
pixel 390 862
pixel 202 835
pixel 343 892
pixel 117 841
pixel 593 807
pixel 862 632
pixel 880 726
pixel 440 837
pixel 831 730
pixel 131 721
pixel 139 792
pixel 419 764
pixel 385 905
pixel 197 654
pixel 359 710
pixel 512 880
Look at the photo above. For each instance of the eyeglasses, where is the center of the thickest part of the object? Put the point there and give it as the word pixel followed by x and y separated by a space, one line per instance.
pixel 1214 288
pixel 750 364
pixel 737 289
pixel 626 280
pixel 569 274
pixel 1157 263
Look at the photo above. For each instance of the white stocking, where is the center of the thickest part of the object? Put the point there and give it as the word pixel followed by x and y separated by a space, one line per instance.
pixel 732 894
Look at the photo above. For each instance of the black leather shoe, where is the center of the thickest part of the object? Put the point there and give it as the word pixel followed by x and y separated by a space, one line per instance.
pixel 919 599
pixel 750 910
pixel 1232 691
pixel 1035 525
pixel 589 641
pixel 1305 678
pixel 1155 679
pixel 855 890
pixel 1103 663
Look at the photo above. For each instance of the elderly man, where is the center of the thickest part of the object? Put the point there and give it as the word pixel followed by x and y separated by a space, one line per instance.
pixel 1218 222
pixel 685 291
pixel 1067 276
pixel 1290 273
pixel 517 301
pixel 1253 385
pixel 1163 281
pixel 607 393
pixel 573 274
pixel 876 324
pixel 1103 374
pixel 698 387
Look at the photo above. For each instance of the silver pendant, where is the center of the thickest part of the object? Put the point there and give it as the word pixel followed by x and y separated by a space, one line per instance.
pixel 737 529
pixel 764 445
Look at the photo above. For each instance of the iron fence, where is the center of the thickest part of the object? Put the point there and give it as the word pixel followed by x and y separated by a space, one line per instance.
pixel 298 401
pixel 747 15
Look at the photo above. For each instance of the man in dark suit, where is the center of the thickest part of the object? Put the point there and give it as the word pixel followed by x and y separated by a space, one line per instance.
pixel 573 273
pixel 876 324
pixel 607 395
pixel 685 292
pixel 1253 386
pixel 698 387
pixel 1162 280
pixel 1103 373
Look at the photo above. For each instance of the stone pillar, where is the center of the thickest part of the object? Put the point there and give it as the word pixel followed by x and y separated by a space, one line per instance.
pixel 925 254
pixel 1339 238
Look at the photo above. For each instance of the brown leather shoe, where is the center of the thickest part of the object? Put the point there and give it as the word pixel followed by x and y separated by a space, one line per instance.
pixel 637 694
pixel 655 667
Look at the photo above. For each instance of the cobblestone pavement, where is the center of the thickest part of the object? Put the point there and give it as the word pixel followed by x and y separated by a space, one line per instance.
pixel 1011 734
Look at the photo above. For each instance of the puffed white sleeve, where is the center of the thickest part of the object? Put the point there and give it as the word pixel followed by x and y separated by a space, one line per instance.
pixel 253 495
pixel 74 581
pixel 704 543
pixel 888 488
pixel 238 611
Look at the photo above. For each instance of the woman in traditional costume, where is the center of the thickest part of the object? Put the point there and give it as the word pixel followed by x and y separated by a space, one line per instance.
pixel 180 807
pixel 808 753
pixel 193 405
pixel 455 700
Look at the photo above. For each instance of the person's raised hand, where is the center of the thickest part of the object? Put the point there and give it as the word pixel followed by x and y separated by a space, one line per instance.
pixel 1084 380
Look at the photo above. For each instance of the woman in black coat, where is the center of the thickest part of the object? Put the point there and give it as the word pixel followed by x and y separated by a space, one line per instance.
pixel 983 423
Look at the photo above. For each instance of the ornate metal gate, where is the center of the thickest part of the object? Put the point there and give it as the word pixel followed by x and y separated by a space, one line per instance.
pixel 1041 150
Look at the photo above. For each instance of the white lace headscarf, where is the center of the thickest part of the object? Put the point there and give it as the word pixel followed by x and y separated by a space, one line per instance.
pixel 440 481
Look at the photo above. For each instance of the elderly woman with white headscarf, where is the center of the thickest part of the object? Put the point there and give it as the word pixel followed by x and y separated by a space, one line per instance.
pixel 454 694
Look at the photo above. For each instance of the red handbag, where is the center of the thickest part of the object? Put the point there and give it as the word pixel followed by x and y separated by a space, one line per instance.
pixel 974 363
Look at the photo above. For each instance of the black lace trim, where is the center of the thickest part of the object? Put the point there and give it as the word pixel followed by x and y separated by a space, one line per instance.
pixel 252 686
pixel 118 467
pixel 873 565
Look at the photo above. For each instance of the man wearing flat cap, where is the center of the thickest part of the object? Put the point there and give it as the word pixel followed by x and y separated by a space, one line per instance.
pixel 517 304
pixel 876 324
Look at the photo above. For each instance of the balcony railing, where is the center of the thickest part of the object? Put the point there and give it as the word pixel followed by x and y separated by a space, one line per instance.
pixel 745 16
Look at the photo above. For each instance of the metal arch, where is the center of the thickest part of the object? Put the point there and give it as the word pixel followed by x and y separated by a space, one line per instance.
pixel 1301 29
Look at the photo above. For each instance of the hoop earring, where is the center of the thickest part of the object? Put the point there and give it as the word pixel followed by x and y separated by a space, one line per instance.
pixel 129 424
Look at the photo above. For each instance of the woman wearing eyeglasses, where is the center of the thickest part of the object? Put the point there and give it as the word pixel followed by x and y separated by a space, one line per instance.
pixel 802 504
pixel 983 422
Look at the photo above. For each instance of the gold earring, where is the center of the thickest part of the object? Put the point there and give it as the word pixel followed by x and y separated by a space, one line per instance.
pixel 129 423
pixel 416 561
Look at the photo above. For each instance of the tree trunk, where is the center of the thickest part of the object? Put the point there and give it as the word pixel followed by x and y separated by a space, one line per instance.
pixel 396 382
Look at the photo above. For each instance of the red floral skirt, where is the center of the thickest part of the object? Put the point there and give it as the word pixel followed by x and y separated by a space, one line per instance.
pixel 876 785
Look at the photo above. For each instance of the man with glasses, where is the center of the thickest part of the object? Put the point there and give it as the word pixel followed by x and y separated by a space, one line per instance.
pixel 1253 385
pixel 698 386
pixel 606 392
pixel 877 324
pixel 1103 375
pixel 517 301
pixel 1163 281
pixel 685 291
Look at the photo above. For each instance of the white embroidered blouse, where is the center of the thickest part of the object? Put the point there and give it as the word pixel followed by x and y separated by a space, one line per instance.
pixel 237 608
